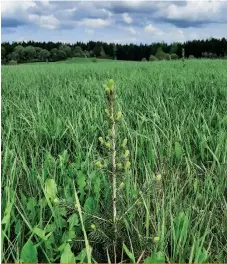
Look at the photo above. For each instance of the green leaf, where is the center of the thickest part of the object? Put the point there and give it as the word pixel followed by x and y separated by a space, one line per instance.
pixel 158 257
pixel 203 256
pixel 178 151
pixel 18 227
pixel 64 157
pixel 39 232
pixel 89 205
pixel 97 185
pixel 29 253
pixel 67 256
pixel 181 223
pixel 50 189
pixel 6 218
pixel 31 204
pixel 81 181
pixel 129 254
pixel 82 256
pixel 73 220
pixel 58 127
pixel 68 236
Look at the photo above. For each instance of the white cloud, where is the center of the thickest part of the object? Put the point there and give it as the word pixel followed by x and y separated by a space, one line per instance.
pixel 11 7
pixel 94 22
pixel 44 2
pixel 127 19
pixel 195 11
pixel 131 30
pixel 49 22
pixel 151 29
pixel 109 14
pixel 71 9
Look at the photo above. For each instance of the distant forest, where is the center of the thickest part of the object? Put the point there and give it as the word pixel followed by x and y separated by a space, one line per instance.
pixel 31 51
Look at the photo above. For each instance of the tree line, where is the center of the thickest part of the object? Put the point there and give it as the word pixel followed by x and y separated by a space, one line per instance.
pixel 31 51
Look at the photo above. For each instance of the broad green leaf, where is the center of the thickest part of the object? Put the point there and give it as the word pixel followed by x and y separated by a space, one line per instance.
pixel 81 181
pixel 62 247
pixel 29 253
pixel 89 205
pixel 6 218
pixel 50 189
pixel 73 220
pixel 129 254
pixel 31 204
pixel 158 257
pixel 82 256
pixel 63 157
pixel 68 236
pixel 67 256
pixel 39 232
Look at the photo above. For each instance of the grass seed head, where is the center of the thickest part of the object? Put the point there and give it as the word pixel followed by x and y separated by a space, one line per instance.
pixel 119 166
pixel 126 153
pixel 93 227
pixel 56 201
pixel 111 118
pixel 101 140
pixel 159 177
pixel 99 164
pixel 122 185
pixel 107 112
pixel 107 144
pixel 156 239
pixel 127 165
pixel 119 115
pixel 124 143
pixel 111 84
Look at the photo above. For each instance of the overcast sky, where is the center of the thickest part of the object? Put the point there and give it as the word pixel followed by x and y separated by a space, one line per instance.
pixel 113 21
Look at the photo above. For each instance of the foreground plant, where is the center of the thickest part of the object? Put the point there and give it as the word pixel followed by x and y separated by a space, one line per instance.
pixel 110 143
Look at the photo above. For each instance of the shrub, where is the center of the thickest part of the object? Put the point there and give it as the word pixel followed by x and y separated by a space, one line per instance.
pixel 190 57
pixel 12 62
pixel 160 54
pixel 167 56
pixel 94 59
pixel 152 58
pixel 144 59
pixel 174 56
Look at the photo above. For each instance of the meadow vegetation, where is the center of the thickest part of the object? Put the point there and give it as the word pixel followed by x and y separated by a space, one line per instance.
pixel 170 168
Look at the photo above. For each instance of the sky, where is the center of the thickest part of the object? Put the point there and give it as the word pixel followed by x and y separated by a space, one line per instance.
pixel 113 21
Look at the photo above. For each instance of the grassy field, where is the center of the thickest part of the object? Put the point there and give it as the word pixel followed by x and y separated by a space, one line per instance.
pixel 171 202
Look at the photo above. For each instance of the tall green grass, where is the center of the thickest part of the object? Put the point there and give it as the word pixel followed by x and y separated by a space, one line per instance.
pixel 175 119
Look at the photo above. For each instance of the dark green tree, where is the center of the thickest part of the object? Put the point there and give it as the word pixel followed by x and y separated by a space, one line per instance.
pixel 44 55
pixel 160 54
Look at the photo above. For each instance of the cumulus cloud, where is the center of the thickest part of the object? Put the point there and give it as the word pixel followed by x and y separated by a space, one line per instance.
pixel 94 23
pixel 131 31
pixel 151 29
pixel 153 20
pixel 49 22
pixel 127 19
